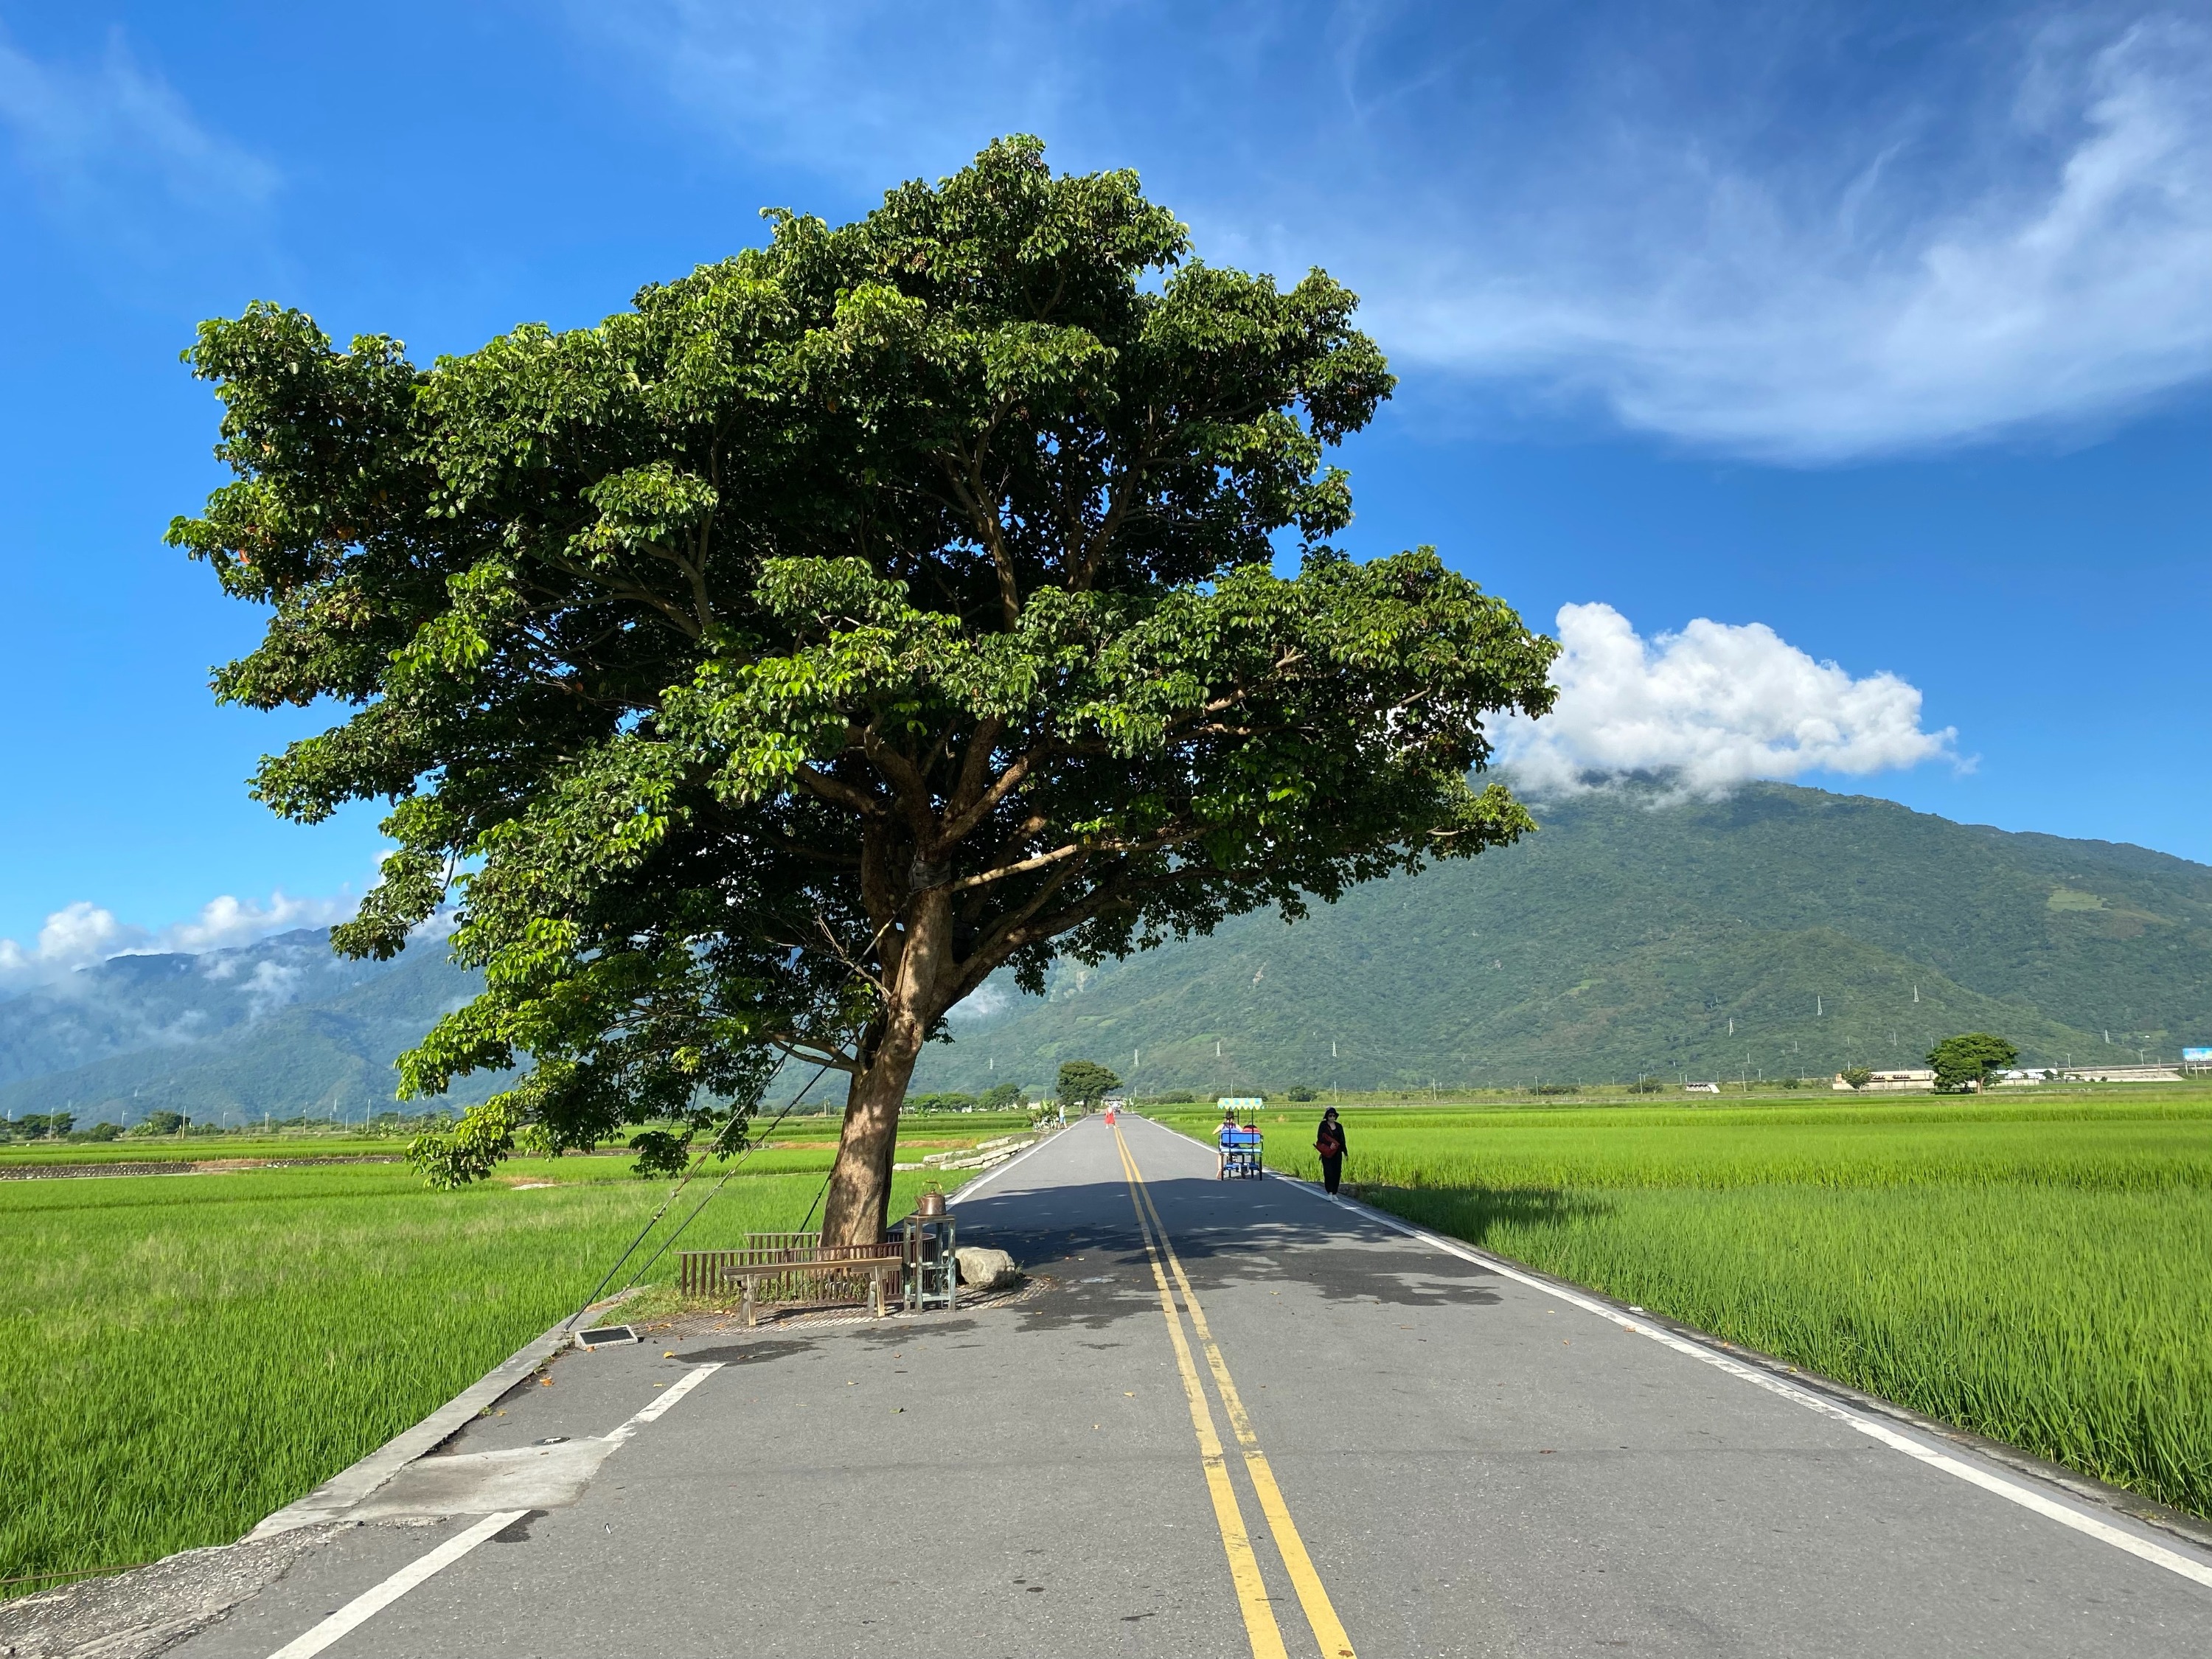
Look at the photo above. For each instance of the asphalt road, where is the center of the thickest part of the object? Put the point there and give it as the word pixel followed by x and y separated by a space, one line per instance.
pixel 1244 1419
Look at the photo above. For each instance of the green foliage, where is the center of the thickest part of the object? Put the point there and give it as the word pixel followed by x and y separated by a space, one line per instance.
pixel 1646 1085
pixel 761 669
pixel 1299 1091
pixel 1976 1057
pixel 953 1102
pixel 1083 1084
pixel 999 1097
pixel 1624 938
pixel 1857 1076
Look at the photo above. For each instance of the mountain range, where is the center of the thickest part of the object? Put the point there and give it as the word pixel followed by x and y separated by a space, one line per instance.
pixel 279 1029
pixel 1777 931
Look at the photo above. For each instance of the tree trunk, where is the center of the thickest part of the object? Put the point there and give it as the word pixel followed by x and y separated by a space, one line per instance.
pixel 858 1205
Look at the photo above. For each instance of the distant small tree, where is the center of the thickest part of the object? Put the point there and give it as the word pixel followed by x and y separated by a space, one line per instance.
pixel 161 1123
pixel 1976 1057
pixel 1085 1083
pixel 1299 1091
pixel 1002 1097
pixel 945 1102
pixel 1857 1076
pixel 1645 1085
pixel 1177 1098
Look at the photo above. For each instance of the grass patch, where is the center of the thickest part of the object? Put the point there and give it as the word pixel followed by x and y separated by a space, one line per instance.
pixel 2030 1269
pixel 181 1355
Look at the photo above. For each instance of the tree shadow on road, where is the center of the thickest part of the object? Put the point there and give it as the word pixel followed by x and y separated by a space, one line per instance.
pixel 1475 1213
pixel 1234 1234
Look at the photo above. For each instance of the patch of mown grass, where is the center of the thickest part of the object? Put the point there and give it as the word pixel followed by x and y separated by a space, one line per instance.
pixel 2032 1270
pixel 181 1355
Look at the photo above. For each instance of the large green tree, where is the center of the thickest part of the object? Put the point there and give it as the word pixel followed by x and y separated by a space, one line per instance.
pixel 1974 1059
pixel 756 672
pixel 1085 1083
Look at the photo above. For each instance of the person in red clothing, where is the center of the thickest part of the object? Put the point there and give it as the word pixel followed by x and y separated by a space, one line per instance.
pixel 1329 1142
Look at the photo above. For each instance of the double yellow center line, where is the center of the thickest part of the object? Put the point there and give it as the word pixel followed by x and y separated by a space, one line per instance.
pixel 1266 1639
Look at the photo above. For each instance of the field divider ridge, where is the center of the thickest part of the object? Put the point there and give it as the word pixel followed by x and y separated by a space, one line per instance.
pixel 354 1484
pixel 2067 1508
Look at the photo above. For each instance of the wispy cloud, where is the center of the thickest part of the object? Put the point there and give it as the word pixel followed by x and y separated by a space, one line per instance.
pixel 100 143
pixel 1715 705
pixel 1801 234
pixel 78 935
pixel 2061 275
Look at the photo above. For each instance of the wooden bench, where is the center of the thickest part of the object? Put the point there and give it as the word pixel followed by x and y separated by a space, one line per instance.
pixel 796 1267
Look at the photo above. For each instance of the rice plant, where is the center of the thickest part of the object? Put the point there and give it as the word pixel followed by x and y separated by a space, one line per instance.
pixel 179 1356
pixel 2034 1271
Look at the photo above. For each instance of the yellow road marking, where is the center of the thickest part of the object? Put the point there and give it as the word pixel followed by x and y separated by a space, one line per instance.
pixel 1321 1613
pixel 1260 1627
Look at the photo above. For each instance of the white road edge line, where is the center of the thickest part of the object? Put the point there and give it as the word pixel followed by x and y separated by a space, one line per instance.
pixel 2002 1486
pixel 993 1173
pixel 369 1603
pixel 363 1606
pixel 697 1375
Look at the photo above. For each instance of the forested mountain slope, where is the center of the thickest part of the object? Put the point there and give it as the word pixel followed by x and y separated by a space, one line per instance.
pixel 1627 937
pixel 279 1029
pixel 1630 935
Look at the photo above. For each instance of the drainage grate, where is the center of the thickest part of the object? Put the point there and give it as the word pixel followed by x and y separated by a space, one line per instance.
pixel 607 1336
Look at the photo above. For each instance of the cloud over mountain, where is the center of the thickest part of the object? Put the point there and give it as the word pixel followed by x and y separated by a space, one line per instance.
pixel 1717 705
pixel 82 934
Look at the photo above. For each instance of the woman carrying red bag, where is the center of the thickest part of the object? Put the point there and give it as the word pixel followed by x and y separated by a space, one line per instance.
pixel 1329 1142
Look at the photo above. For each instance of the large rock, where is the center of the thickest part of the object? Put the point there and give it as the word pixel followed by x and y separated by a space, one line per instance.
pixel 985 1270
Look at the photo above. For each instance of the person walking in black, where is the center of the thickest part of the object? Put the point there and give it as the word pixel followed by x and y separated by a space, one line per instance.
pixel 1329 1142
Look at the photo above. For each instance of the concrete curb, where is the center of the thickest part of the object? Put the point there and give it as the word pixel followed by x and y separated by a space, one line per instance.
pixel 348 1487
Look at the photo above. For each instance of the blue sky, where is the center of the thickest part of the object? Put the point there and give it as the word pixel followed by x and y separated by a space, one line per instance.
pixel 1766 337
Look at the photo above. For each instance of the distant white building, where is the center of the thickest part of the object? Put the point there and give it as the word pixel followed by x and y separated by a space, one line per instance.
pixel 2118 1074
pixel 1701 1088
pixel 1889 1083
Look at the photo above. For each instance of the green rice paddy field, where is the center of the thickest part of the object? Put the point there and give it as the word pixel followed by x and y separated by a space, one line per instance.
pixel 180 1355
pixel 2038 1269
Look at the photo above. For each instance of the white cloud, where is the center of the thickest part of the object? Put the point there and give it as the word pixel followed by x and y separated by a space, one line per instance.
pixel 1716 704
pixel 1787 233
pixel 99 141
pixel 227 921
pixel 82 933
pixel 2069 280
